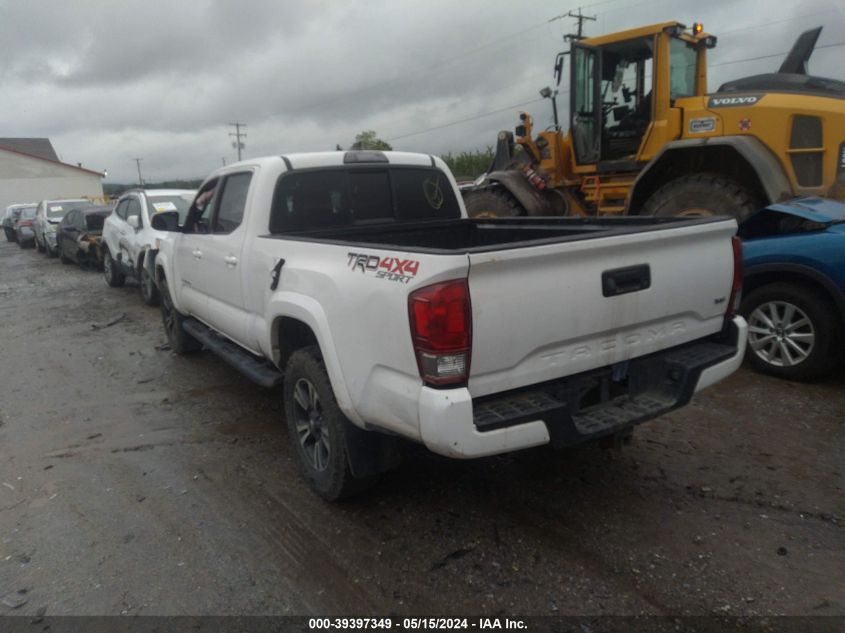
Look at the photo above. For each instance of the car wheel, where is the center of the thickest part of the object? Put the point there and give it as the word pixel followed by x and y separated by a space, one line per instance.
pixel 112 275
pixel 792 331
pixel 10 234
pixel 148 288
pixel 38 245
pixel 317 428
pixel 180 341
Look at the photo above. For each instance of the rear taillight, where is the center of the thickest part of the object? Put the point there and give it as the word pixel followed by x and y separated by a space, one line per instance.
pixel 441 330
pixel 736 285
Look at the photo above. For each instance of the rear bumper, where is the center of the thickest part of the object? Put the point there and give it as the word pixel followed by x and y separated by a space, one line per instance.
pixel 25 235
pixel 578 408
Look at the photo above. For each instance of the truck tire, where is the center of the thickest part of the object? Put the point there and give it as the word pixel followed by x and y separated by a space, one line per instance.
pixel 114 278
pixel 180 341
pixel 792 331
pixel 701 195
pixel 149 292
pixel 491 203
pixel 317 428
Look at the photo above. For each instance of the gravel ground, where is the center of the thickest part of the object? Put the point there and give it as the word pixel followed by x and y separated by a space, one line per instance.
pixel 135 481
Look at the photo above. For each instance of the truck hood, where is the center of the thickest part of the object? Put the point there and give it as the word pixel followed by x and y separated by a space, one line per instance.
pixel 801 215
pixel 819 210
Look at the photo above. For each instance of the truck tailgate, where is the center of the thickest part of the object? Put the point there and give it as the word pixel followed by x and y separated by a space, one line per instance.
pixel 548 311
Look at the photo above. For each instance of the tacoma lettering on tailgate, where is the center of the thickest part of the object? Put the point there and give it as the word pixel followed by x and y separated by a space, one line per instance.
pixel 390 268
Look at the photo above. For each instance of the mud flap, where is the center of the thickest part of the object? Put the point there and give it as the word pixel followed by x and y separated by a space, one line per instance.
pixel 370 453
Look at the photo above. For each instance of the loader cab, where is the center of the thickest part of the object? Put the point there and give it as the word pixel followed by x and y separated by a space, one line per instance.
pixel 621 85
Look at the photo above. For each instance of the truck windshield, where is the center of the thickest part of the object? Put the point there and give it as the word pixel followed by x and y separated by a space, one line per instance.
pixel 337 197
pixel 180 204
pixel 682 65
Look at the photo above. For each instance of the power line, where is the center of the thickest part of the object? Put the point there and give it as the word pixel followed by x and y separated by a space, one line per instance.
pixel 416 74
pixel 581 19
pixel 566 90
pixel 466 120
pixel 754 59
pixel 762 24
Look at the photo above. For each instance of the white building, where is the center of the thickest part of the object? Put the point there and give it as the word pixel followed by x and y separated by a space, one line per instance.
pixel 31 171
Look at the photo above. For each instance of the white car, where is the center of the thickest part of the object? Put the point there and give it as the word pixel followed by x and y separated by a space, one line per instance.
pixel 47 218
pixel 129 241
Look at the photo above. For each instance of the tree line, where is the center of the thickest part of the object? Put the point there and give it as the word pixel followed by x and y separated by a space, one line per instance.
pixel 465 166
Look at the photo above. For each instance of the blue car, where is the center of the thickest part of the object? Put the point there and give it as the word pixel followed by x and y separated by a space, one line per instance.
pixel 794 287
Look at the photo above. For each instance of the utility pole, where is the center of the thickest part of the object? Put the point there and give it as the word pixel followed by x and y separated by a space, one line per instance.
pixel 138 162
pixel 581 19
pixel 238 134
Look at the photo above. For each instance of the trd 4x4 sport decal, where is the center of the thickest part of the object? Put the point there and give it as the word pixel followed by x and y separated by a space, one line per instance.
pixel 390 268
pixel 733 102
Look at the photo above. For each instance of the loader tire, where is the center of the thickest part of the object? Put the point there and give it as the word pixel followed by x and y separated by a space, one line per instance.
pixel 492 203
pixel 702 195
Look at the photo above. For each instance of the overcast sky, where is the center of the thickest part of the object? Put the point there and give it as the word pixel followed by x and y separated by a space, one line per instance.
pixel 108 81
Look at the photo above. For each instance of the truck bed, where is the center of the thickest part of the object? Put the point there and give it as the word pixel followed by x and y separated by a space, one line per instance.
pixel 481 235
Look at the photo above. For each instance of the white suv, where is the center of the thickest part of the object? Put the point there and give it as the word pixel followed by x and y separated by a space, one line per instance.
pixel 130 243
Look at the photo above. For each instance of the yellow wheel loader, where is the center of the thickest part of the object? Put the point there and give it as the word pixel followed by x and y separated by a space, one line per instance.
pixel 646 137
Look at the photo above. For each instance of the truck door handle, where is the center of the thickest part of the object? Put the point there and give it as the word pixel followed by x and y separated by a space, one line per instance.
pixel 197 253
pixel 621 281
pixel 231 260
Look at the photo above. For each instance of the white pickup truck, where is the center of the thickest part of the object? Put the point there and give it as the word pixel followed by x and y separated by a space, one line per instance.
pixel 357 280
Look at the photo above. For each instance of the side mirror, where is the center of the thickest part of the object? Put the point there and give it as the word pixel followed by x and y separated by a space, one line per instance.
pixel 166 221
pixel 133 221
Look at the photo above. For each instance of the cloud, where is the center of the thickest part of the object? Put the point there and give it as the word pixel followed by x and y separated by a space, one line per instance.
pixel 109 81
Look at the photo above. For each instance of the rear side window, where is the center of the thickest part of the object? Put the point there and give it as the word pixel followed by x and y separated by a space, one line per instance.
pixel 336 197
pixel 230 210
pixel 310 199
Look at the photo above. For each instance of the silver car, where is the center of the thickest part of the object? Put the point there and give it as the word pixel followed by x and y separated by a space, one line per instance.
pixel 24 234
pixel 13 212
pixel 47 218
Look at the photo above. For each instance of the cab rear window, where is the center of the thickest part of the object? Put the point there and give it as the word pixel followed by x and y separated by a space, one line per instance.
pixel 322 198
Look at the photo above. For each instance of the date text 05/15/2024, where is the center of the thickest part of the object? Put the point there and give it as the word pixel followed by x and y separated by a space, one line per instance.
pixel 415 624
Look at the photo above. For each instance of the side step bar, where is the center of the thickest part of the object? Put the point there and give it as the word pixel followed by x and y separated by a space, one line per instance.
pixel 254 368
